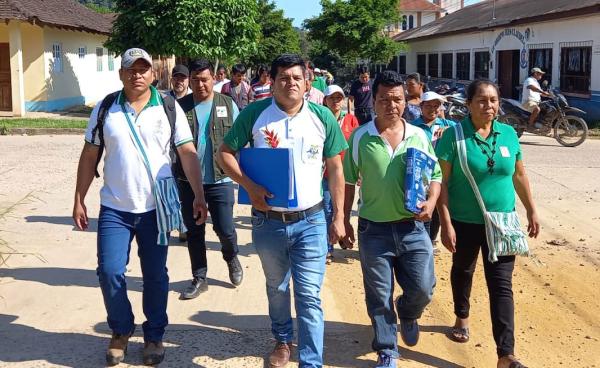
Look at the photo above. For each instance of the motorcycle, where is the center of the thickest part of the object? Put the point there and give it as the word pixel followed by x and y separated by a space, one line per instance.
pixel 456 105
pixel 568 130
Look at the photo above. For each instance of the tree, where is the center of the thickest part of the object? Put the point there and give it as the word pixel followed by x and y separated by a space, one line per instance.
pixel 354 29
pixel 214 29
pixel 277 36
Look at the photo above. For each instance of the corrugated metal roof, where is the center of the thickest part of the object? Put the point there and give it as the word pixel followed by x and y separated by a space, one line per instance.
pixel 508 12
pixel 59 13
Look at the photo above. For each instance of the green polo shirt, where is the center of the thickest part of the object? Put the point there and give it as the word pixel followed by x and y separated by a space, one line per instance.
pixel 497 189
pixel 320 84
pixel 382 171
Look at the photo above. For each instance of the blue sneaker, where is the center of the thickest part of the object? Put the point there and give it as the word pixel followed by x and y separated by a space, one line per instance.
pixel 385 360
pixel 409 330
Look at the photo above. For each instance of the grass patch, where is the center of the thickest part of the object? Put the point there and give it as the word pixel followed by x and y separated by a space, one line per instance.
pixel 42 123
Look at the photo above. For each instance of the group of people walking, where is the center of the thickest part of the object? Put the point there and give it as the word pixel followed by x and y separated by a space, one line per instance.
pixel 168 165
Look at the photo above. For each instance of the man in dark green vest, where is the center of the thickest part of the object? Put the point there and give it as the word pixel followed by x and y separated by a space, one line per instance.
pixel 210 115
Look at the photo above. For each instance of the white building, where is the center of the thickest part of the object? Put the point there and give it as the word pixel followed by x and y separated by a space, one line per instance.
pixel 503 42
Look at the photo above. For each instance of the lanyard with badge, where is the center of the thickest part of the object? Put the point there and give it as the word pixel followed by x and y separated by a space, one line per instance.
pixel 166 196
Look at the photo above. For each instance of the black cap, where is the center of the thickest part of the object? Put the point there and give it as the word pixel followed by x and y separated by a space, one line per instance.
pixel 180 69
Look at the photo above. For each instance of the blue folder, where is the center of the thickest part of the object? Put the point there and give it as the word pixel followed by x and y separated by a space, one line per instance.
pixel 419 168
pixel 273 169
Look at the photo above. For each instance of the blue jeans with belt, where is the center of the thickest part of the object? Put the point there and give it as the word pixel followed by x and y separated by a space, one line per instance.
pixel 116 230
pixel 294 250
pixel 400 249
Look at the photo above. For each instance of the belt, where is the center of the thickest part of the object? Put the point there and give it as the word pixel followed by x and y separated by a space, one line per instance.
pixel 292 216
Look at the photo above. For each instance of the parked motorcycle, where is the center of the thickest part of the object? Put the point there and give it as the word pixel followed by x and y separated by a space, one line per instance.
pixel 456 107
pixel 568 130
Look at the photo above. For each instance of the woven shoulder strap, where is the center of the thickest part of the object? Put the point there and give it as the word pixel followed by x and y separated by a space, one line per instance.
pixel 462 157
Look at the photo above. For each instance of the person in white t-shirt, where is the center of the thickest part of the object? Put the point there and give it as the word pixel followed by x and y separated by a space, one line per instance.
pixel 128 205
pixel 532 93
pixel 220 78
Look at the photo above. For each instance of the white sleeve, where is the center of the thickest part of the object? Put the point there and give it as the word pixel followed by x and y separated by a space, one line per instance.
pixel 92 124
pixel 183 134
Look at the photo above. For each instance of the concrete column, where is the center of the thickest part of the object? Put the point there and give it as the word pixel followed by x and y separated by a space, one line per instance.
pixel 16 68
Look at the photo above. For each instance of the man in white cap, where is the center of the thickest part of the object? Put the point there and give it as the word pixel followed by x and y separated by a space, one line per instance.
pixel 532 93
pixel 133 125
pixel 334 100
pixel 434 127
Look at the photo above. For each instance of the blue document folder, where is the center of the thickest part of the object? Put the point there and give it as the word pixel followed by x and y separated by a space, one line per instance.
pixel 273 169
pixel 419 168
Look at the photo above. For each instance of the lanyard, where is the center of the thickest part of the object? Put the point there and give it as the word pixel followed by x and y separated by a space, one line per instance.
pixel 138 143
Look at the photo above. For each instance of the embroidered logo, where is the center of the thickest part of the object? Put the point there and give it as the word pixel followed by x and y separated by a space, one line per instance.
pixel 313 151
pixel 271 138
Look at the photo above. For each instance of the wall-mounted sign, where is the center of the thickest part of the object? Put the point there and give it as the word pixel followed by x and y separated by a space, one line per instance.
pixel 523 37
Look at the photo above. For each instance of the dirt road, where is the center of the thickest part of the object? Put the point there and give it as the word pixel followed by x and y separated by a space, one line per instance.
pixel 51 311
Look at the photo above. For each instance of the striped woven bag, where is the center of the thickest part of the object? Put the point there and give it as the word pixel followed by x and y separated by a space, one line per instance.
pixel 503 231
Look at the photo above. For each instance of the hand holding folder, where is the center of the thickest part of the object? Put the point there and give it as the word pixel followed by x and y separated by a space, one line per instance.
pixel 273 169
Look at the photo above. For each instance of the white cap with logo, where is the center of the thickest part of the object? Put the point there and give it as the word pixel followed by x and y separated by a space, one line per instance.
pixel 132 55
pixel 430 96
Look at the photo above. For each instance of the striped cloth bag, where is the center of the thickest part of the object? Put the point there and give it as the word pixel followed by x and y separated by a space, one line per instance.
pixel 166 196
pixel 503 231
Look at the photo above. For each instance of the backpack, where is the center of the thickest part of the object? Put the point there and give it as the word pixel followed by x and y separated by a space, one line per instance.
pixel 107 102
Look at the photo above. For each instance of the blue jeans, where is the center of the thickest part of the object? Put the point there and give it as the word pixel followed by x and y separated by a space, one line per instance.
pixel 403 250
pixel 116 230
pixel 328 207
pixel 294 250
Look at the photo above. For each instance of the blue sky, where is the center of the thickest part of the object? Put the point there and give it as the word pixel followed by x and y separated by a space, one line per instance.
pixel 303 9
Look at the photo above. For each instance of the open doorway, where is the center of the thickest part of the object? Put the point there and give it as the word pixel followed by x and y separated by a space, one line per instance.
pixel 508 73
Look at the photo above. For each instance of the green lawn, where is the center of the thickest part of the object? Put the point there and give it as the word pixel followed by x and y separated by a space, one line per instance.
pixel 42 123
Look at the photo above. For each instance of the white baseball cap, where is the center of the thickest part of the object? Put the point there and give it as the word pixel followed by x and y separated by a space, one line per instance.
pixel 430 96
pixel 317 70
pixel 132 55
pixel 334 88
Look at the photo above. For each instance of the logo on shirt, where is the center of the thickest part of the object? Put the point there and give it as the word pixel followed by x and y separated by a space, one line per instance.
pixel 313 151
pixel 271 138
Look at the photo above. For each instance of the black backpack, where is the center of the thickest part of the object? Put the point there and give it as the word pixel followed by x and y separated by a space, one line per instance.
pixel 107 102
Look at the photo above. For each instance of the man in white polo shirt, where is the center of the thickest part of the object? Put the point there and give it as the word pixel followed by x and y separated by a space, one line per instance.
pixel 127 198
pixel 292 242
pixel 532 96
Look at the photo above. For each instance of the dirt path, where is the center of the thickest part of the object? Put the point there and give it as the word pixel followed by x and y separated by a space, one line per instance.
pixel 51 311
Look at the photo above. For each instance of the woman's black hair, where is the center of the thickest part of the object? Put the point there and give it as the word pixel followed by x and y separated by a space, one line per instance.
pixel 474 87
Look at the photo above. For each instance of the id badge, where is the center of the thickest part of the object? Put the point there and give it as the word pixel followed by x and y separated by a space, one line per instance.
pixel 221 111
pixel 504 151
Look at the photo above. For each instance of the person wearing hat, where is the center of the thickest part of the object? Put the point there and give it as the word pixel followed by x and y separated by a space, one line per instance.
pixel 180 81
pixel 334 100
pixel 433 126
pixel 128 207
pixel 318 81
pixel 532 95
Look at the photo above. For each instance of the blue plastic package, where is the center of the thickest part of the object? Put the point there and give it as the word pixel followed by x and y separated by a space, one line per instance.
pixel 419 169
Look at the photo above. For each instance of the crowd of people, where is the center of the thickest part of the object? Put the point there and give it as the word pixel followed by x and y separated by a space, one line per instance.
pixel 168 165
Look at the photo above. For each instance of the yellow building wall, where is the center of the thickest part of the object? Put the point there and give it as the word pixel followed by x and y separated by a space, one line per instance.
pixel 33 62
pixel 3 33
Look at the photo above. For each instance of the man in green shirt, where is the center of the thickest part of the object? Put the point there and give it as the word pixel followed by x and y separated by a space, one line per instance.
pixel 393 240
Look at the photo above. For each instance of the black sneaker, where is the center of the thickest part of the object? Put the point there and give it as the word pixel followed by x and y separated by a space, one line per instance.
pixel 197 287
pixel 236 273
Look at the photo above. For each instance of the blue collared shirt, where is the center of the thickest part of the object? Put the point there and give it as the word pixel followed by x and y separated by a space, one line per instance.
pixel 430 130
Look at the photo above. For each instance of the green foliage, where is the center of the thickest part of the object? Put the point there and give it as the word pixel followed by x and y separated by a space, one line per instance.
pixel 277 35
pixel 6 124
pixel 188 28
pixel 354 29
pixel 100 6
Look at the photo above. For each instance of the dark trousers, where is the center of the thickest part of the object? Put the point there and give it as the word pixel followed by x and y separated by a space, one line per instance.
pixel 363 115
pixel 220 200
pixel 469 239
pixel 433 226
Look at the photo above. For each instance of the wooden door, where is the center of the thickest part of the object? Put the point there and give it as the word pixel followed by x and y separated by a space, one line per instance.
pixel 505 76
pixel 5 86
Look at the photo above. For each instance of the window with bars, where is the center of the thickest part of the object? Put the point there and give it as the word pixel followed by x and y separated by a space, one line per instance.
pixel 111 61
pixel 99 57
pixel 82 52
pixel 541 58
pixel 422 64
pixel 404 23
pixel 576 70
pixel 57 58
pixel 447 66
pixel 433 65
pixel 482 64
pixel 463 65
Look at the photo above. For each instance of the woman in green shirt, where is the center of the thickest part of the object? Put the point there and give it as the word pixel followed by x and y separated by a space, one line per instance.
pixel 494 159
